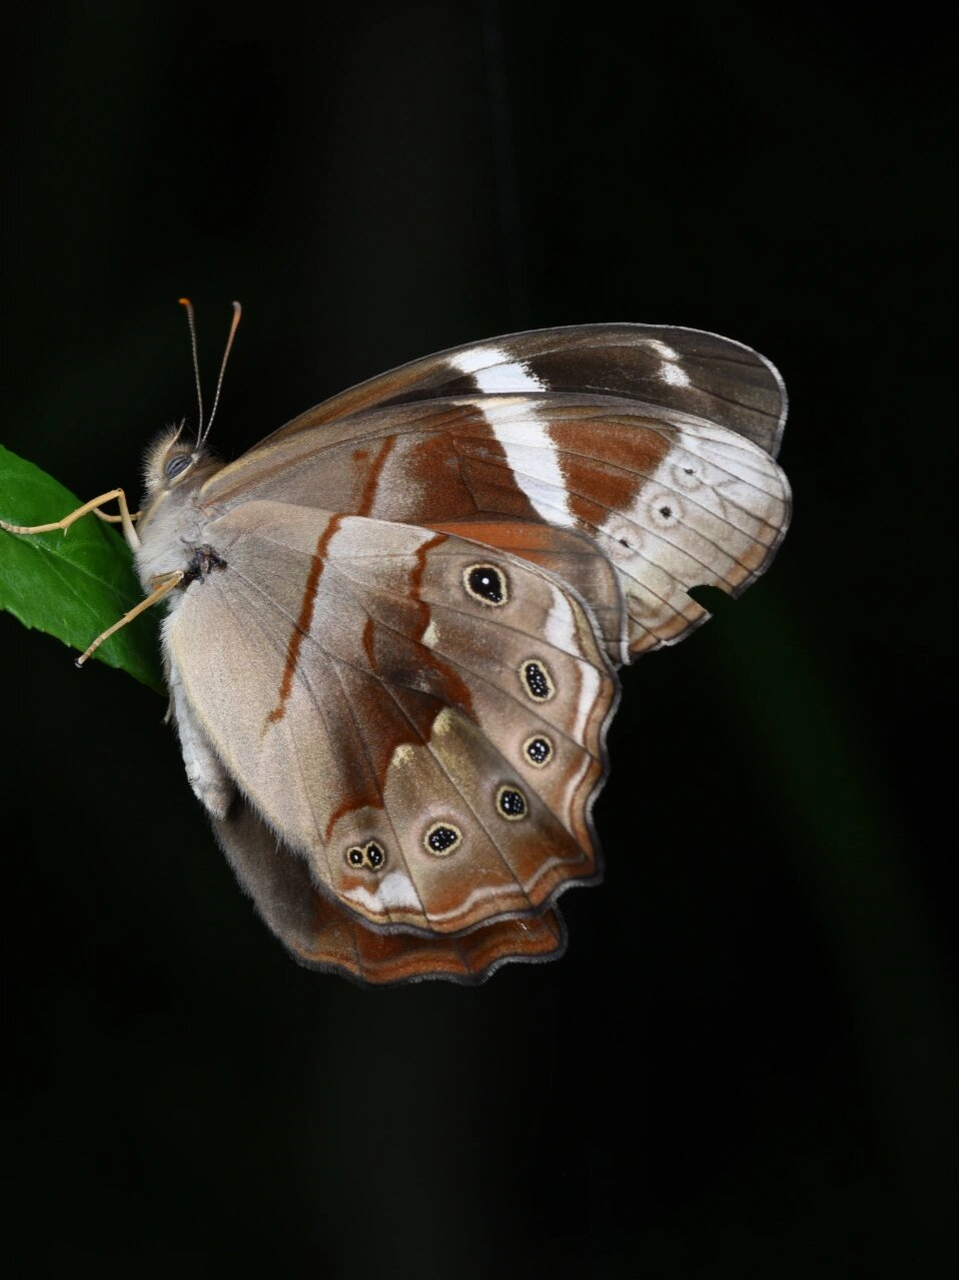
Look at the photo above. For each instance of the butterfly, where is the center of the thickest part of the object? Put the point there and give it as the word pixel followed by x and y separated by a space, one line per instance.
pixel 393 627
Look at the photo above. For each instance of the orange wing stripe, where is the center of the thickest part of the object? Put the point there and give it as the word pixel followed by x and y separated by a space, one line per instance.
pixel 302 625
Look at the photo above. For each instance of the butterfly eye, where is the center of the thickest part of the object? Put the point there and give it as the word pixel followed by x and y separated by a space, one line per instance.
pixel 486 583
pixel 176 465
pixel 537 680
pixel 443 838
pixel 538 750
pixel 511 803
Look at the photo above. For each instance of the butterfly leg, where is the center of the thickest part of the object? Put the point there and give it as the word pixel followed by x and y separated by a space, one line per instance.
pixel 165 583
pixel 125 518
pixel 108 519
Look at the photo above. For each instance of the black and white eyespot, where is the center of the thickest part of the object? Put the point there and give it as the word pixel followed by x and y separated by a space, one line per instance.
pixel 511 803
pixel 442 839
pixel 375 857
pixel 536 680
pixel 176 464
pixel 486 584
pixel 538 750
pixel 685 474
pixel 666 511
pixel 370 855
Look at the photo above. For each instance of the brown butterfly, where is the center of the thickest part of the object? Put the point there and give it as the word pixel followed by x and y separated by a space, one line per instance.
pixel 394 625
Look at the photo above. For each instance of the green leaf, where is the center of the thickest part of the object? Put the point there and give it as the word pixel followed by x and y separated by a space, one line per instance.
pixel 73 585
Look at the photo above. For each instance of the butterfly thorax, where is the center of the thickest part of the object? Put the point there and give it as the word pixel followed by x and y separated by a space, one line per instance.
pixel 173 519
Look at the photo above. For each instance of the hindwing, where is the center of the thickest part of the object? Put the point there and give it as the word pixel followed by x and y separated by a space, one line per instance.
pixel 417 719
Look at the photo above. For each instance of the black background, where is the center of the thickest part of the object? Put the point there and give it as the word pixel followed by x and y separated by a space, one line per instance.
pixel 746 1061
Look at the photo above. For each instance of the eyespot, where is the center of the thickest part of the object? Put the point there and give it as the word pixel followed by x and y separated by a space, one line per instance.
pixel 511 803
pixel 487 584
pixel 666 511
pixel 369 855
pixel 685 477
pixel 375 857
pixel 538 751
pixel 442 838
pixel 537 680
pixel 176 465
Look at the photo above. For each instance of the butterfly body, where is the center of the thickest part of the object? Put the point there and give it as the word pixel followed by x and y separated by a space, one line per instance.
pixel 392 651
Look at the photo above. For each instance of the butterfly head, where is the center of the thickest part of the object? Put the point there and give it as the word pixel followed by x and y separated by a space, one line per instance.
pixel 172 461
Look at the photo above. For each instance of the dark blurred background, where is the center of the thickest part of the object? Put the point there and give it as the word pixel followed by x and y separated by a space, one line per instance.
pixel 746 1063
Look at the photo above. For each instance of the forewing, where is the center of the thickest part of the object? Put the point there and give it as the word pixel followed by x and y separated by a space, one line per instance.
pixel 431 753
pixel 687 370
pixel 672 500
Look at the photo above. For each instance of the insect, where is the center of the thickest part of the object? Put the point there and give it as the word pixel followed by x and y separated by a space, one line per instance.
pixel 393 626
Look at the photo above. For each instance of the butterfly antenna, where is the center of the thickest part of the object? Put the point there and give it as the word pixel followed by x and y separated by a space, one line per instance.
pixel 185 302
pixel 234 325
